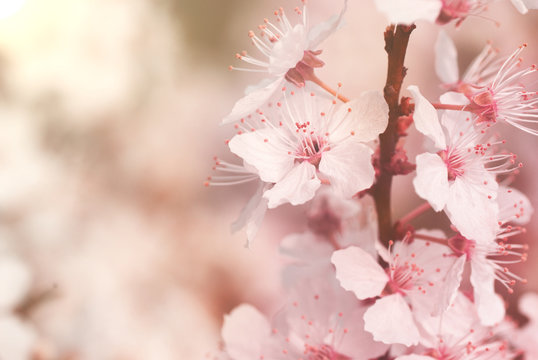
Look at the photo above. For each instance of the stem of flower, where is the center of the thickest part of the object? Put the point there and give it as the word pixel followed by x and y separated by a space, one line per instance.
pixel 431 238
pixel 327 88
pixel 396 40
pixel 439 106
pixel 415 212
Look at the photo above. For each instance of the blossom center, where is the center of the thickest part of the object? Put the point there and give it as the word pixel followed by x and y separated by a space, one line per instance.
pixel 311 148
pixel 304 69
pixel 323 352
pixel 484 105
pixel 460 245
pixel 453 9
pixel 403 277
pixel 454 164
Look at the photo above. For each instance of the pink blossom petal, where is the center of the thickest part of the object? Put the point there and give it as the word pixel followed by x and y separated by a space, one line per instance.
pixel 252 214
pixel 17 338
pixel 454 98
pixel 357 271
pixel 244 332
pixel 349 168
pixel 357 343
pixel 456 322
pixel 253 100
pixel 514 206
pixel 409 11
pixel 288 51
pixel 473 214
pixel 431 182
pixel 15 281
pixel 390 321
pixel 446 59
pixel 321 31
pixel 269 158
pixel 489 305
pixel 452 284
pixel 414 357
pixel 297 187
pixel 528 305
pixel 455 123
pixel 523 6
pixel 426 119
pixel 531 4
pixel 367 119
pixel 307 247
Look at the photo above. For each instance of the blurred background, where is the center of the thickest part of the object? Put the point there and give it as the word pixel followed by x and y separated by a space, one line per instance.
pixel 109 120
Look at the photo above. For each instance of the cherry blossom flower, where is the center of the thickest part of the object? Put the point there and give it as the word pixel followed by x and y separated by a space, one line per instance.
pixel 252 215
pixel 291 52
pixel 494 86
pixel 479 73
pixel 506 99
pixel 321 321
pixel 458 176
pixel 413 280
pixel 333 223
pixel 458 334
pixel 297 147
pixel 440 11
pixel 489 260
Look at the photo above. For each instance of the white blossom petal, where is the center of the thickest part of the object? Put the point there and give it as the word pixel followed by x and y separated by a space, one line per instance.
pixel 15 281
pixel 269 158
pixel 252 214
pixel 288 51
pixel 307 247
pixel 523 6
pixel 244 331
pixel 253 100
pixel 451 284
pixel 456 123
pixel 446 59
pixel 390 321
pixel 409 11
pixel 528 305
pixel 470 210
pixel 357 343
pixel 431 182
pixel 426 119
pixel 454 98
pixel 348 167
pixel 368 118
pixel 17 339
pixel 514 206
pixel 531 4
pixel 358 271
pixel 320 32
pixel 489 305
pixel 297 187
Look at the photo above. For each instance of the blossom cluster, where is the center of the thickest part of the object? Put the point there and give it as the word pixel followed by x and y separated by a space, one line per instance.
pixel 353 291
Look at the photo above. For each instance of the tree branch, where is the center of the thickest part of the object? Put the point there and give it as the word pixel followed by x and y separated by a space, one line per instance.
pixel 396 40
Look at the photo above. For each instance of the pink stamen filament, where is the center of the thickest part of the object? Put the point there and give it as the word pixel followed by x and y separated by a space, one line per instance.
pixel 327 88
pixel 419 210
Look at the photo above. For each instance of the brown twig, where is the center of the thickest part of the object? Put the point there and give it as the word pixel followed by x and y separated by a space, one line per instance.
pixel 396 40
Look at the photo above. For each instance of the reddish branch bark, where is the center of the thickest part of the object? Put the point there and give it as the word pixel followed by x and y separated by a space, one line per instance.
pixel 396 40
